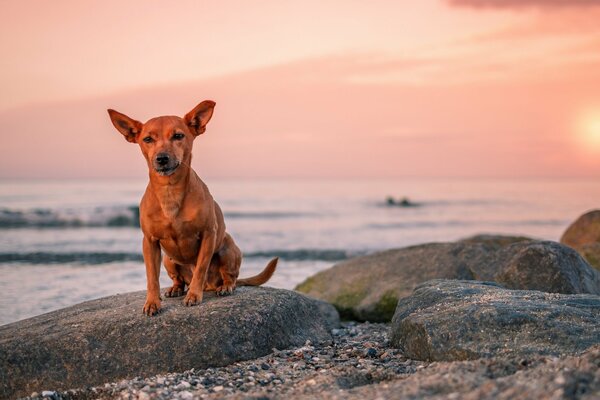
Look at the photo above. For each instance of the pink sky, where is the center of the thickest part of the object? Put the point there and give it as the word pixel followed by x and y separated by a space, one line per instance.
pixel 306 89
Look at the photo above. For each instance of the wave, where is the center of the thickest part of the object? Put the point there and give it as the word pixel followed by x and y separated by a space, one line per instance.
pixel 267 214
pixel 111 216
pixel 462 223
pixel 115 216
pixel 445 203
pixel 94 258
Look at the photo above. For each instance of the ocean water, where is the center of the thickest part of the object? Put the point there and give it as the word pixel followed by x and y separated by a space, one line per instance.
pixel 63 242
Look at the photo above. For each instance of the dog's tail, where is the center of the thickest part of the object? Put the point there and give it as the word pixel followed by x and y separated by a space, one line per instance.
pixel 261 278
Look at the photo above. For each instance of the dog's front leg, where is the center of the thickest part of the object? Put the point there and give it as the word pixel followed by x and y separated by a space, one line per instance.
pixel 196 287
pixel 151 250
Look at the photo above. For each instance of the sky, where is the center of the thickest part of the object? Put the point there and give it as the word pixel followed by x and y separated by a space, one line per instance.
pixel 334 89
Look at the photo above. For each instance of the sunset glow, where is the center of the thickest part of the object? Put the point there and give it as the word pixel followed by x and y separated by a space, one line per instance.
pixel 589 130
pixel 427 88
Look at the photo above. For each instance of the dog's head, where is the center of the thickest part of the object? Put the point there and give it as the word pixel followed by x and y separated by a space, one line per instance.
pixel 166 142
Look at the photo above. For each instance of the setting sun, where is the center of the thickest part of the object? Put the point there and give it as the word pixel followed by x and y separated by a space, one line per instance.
pixel 588 129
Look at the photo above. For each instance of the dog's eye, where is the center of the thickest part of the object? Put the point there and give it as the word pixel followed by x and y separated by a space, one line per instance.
pixel 178 136
pixel 148 139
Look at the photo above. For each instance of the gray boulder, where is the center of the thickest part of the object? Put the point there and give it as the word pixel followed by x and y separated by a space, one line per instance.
pixel 584 236
pixel 495 242
pixel 368 288
pixel 110 339
pixel 545 266
pixel 449 320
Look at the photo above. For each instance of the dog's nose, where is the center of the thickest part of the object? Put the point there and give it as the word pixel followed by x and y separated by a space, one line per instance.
pixel 162 158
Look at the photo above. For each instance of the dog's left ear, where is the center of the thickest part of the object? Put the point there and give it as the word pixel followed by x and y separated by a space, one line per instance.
pixel 199 117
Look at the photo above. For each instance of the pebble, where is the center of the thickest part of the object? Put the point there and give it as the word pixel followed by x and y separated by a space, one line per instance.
pixel 183 385
pixel 143 396
pixel 371 352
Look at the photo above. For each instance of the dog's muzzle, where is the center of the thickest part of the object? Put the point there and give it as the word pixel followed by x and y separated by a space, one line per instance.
pixel 164 164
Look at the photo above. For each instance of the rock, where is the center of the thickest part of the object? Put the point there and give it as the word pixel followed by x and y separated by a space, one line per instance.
pixel 584 236
pixel 367 288
pixel 545 266
pixel 495 241
pixel 448 320
pixel 110 339
pixel 591 253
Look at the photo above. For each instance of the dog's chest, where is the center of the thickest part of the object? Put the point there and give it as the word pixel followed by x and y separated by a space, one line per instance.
pixel 180 241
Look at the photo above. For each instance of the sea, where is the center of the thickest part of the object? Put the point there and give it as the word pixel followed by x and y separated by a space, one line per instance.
pixel 67 241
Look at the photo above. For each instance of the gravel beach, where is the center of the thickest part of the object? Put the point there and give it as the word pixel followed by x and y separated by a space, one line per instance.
pixel 360 364
pixel 360 355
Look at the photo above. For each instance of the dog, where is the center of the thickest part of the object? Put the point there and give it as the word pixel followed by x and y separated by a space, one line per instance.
pixel 178 215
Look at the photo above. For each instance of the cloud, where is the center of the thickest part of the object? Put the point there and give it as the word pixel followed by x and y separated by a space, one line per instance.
pixel 514 4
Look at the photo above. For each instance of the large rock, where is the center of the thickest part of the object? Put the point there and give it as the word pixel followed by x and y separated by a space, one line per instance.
pixel 495 242
pixel 109 339
pixel 448 320
pixel 584 236
pixel 368 287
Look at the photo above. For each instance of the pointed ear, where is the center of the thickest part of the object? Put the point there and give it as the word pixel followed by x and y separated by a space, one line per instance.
pixel 128 127
pixel 199 117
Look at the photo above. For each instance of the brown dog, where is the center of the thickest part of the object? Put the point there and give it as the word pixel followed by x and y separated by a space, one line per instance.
pixel 179 215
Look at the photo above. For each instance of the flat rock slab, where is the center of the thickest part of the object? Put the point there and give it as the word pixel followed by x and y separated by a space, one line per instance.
pixel 447 320
pixel 367 288
pixel 110 339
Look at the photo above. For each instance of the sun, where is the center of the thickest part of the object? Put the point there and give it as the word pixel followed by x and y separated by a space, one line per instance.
pixel 588 129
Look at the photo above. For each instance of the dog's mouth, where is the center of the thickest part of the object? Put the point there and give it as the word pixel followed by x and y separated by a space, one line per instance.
pixel 167 169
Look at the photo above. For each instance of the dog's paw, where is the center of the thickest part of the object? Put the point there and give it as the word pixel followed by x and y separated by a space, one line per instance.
pixel 151 307
pixel 225 290
pixel 191 299
pixel 175 291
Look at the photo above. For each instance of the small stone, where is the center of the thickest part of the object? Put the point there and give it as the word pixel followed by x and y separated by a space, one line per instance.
pixel 34 394
pixel 218 388
pixel 183 385
pixel 371 352
pixel 185 395
pixel 143 396
pixel 311 382
pixel 265 366
pixel 48 393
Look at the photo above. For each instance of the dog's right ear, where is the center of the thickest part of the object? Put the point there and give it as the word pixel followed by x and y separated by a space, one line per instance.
pixel 128 127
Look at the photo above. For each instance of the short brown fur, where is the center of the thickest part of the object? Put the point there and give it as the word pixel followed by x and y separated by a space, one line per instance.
pixel 178 214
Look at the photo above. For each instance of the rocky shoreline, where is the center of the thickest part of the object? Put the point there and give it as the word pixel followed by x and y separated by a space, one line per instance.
pixel 489 317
